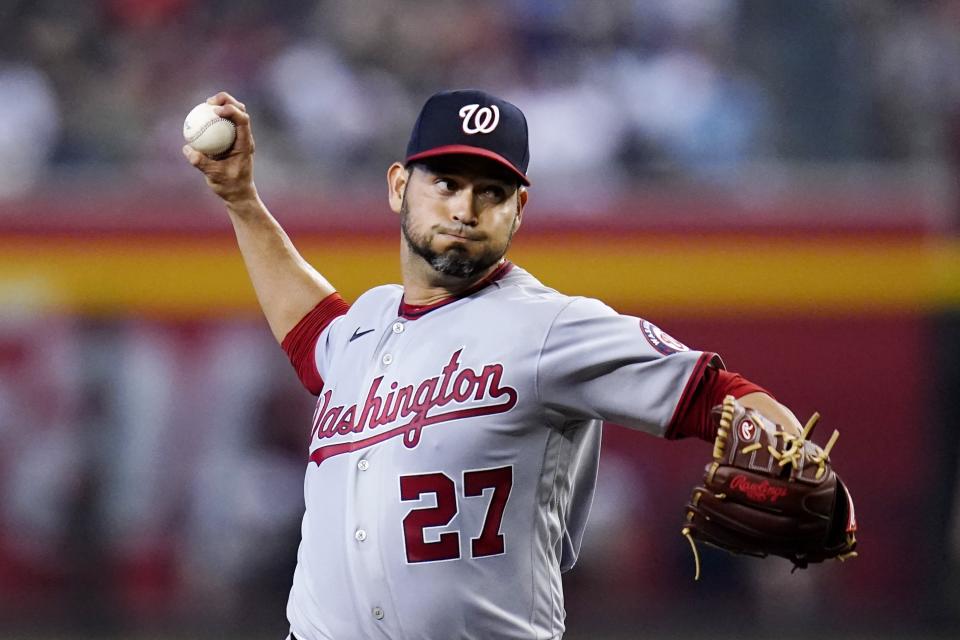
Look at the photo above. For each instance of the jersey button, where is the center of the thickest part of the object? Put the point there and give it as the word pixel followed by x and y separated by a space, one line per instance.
pixel 377 613
pixel 363 465
pixel 387 358
pixel 397 327
pixel 360 535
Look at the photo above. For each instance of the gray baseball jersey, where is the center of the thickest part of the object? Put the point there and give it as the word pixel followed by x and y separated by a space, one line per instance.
pixel 454 453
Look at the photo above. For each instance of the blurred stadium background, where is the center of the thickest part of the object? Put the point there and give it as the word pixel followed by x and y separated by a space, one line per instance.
pixel 773 180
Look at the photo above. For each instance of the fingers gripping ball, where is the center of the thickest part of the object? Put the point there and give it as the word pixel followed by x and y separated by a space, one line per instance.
pixel 770 492
pixel 208 132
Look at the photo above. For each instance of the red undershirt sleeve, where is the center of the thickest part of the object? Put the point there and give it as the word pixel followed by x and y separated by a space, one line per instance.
pixel 301 342
pixel 696 419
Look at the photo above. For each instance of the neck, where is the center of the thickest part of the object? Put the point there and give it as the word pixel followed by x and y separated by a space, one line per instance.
pixel 424 285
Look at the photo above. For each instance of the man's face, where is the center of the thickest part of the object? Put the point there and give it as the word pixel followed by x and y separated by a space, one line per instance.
pixel 459 214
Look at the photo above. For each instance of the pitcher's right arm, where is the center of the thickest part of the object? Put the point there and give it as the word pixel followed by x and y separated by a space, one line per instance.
pixel 287 286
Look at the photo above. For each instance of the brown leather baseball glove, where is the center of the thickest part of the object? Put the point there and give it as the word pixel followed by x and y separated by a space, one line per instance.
pixel 770 492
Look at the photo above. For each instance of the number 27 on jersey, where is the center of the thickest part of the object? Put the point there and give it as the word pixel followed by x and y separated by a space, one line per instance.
pixel 489 541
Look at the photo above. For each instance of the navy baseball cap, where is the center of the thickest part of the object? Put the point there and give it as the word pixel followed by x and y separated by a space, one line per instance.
pixel 475 123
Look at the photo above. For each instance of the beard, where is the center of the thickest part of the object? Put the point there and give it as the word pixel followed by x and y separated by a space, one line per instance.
pixel 456 261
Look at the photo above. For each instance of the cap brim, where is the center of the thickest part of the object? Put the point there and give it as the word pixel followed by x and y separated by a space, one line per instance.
pixel 463 149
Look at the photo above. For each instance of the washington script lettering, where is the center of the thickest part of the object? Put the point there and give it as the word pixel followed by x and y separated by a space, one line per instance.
pixel 464 389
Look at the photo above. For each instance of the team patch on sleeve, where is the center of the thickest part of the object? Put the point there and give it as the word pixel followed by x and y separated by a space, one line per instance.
pixel 661 340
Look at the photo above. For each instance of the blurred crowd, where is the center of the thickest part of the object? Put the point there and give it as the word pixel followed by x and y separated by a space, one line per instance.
pixel 613 90
pixel 147 471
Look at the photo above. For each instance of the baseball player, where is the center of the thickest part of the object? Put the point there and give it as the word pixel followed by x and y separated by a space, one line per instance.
pixel 454 448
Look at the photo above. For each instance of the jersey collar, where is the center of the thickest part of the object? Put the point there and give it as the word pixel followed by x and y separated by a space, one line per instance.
pixel 414 311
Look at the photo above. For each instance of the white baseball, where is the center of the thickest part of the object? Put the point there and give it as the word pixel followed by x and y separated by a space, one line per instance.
pixel 207 132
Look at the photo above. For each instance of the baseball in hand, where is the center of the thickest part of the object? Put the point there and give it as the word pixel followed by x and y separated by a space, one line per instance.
pixel 207 132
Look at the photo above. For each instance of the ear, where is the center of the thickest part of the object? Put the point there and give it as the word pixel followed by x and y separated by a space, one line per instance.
pixel 522 195
pixel 396 185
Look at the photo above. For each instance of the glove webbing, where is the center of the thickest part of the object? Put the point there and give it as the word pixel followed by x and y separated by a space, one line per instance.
pixel 792 455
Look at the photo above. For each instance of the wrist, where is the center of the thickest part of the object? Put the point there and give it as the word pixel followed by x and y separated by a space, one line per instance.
pixel 244 203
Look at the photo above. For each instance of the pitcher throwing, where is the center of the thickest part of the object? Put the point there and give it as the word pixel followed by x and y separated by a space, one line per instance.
pixel 454 449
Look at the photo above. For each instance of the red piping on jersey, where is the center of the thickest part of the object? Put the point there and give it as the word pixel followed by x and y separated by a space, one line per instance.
pixel 706 389
pixel 414 311
pixel 301 342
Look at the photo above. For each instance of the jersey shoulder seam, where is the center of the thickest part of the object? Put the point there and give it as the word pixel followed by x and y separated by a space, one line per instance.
pixel 376 296
pixel 543 343
pixel 380 288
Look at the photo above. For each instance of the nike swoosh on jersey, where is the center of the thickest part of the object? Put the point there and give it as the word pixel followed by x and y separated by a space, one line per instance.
pixel 359 334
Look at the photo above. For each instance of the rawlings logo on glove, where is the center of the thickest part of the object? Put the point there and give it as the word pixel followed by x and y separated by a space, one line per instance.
pixel 769 492
pixel 757 491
